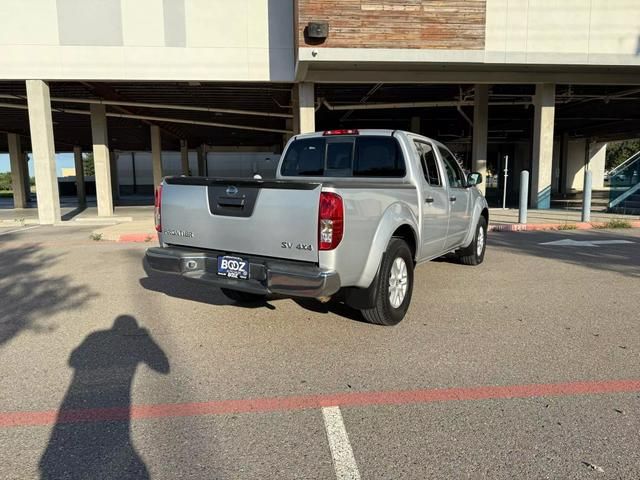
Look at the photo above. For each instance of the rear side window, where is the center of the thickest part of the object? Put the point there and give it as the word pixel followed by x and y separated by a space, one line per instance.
pixel 305 158
pixel 366 156
pixel 378 157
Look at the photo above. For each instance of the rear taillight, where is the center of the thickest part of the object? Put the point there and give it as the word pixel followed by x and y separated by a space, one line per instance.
pixel 330 221
pixel 156 211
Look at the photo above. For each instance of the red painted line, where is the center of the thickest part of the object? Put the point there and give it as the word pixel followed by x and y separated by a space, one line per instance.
pixel 138 237
pixel 261 405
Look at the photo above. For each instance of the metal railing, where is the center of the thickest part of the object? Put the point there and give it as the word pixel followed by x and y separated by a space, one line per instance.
pixel 624 181
pixel 633 158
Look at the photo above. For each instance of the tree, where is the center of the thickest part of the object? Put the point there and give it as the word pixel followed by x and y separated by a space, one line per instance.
pixel 87 164
pixel 5 181
pixel 618 152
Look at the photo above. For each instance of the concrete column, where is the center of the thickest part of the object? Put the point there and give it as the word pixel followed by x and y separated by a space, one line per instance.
pixel 597 157
pixel 577 157
pixel 184 157
pixel 156 155
pixel 306 107
pixel 115 182
pixel 288 124
pixel 17 171
pixel 43 146
pixel 542 158
pixel 564 163
pixel 79 164
pixel 480 132
pixel 414 125
pixel 295 110
pixel 24 165
pixel 583 155
pixel 202 160
pixel 101 160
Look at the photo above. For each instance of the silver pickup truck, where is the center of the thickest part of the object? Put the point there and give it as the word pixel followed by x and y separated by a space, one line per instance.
pixel 350 212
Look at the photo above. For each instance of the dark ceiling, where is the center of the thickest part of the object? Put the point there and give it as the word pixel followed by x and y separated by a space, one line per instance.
pixel 581 111
pixel 592 111
pixel 129 134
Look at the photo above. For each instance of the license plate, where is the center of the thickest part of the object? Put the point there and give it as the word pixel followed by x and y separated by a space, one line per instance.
pixel 233 267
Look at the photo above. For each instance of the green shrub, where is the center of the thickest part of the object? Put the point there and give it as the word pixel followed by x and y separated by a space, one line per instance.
pixel 568 226
pixel 617 223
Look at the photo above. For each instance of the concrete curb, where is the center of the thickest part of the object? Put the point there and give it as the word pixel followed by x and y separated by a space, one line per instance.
pixel 536 227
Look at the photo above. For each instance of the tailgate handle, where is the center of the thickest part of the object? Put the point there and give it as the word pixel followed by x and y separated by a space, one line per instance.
pixel 230 202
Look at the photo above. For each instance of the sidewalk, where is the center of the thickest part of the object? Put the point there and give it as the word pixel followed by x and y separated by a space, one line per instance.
pixel 135 223
pixel 552 219
pixel 73 215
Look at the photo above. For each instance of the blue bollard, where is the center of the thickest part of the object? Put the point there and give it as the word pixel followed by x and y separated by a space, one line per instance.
pixel 524 196
pixel 586 197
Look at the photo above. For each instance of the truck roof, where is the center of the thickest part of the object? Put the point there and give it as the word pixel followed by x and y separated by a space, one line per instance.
pixel 361 132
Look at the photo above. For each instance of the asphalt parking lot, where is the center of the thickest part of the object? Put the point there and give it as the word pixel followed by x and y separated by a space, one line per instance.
pixel 525 367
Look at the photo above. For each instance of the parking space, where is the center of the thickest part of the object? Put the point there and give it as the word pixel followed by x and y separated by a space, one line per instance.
pixel 526 366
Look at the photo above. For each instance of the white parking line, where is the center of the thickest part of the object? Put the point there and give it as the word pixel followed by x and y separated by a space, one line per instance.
pixel 344 462
pixel 18 230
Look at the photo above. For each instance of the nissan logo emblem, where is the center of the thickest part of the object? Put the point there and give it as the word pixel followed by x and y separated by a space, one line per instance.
pixel 231 190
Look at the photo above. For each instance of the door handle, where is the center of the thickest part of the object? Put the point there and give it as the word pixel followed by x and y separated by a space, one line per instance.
pixel 452 198
pixel 428 200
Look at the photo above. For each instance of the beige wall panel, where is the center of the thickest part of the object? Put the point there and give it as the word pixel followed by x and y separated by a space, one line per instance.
pixel 256 27
pixel 216 23
pixel 28 22
pixel 208 40
pixel 516 31
pixel 559 28
pixel 595 32
pixel 142 22
pixel 615 27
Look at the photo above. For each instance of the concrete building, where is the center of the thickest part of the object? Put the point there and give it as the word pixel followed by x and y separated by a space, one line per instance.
pixel 184 86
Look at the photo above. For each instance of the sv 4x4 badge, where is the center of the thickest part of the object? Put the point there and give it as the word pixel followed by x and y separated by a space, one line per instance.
pixel 300 246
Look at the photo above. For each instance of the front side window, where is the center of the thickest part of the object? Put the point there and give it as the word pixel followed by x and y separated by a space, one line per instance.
pixel 348 156
pixel 454 172
pixel 429 164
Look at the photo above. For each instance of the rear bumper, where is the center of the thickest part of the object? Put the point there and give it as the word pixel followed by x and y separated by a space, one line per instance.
pixel 266 275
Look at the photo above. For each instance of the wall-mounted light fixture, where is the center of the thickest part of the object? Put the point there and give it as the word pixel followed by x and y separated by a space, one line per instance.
pixel 316 32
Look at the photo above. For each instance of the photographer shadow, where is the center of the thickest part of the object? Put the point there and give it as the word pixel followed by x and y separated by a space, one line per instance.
pixel 92 434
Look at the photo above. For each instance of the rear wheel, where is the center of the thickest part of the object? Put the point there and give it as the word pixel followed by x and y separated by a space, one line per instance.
pixel 474 253
pixel 394 285
pixel 243 297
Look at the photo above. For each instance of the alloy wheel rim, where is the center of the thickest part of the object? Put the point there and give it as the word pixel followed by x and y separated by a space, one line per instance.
pixel 480 242
pixel 398 282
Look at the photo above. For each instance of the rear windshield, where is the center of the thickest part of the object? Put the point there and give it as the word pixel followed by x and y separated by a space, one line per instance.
pixel 367 156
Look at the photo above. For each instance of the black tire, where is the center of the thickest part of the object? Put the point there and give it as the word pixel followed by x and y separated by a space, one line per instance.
pixel 470 255
pixel 243 297
pixel 383 312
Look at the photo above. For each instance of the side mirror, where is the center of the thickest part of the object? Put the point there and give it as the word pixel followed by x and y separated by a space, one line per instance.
pixel 474 178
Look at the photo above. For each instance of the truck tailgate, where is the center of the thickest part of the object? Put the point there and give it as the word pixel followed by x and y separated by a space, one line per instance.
pixel 267 218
